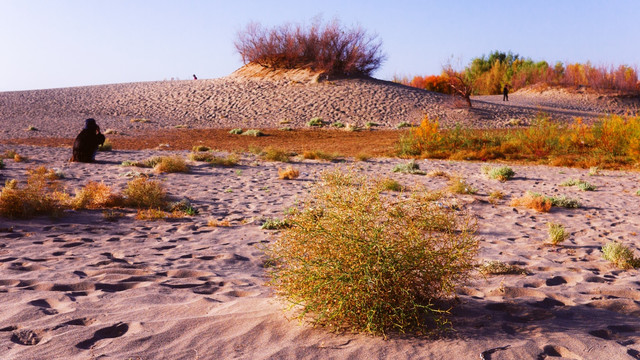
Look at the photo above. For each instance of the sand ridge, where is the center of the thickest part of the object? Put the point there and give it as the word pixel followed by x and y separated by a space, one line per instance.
pixel 83 286
pixel 240 100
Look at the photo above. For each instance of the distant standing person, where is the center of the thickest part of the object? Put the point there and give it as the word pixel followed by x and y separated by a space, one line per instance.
pixel 505 93
pixel 195 77
pixel 86 144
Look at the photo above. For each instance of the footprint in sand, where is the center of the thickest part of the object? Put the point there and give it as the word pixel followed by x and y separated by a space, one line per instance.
pixel 28 337
pixel 51 306
pixel 558 351
pixel 109 332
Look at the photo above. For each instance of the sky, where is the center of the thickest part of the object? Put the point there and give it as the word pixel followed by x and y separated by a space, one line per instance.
pixel 64 43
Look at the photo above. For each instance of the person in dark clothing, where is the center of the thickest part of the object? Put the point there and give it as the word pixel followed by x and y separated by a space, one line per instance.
pixel 86 144
pixel 505 93
pixel 195 77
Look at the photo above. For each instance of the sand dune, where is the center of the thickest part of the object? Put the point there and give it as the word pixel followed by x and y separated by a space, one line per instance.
pixel 244 101
pixel 82 286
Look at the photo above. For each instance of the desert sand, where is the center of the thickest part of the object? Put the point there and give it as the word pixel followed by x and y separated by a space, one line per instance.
pixel 81 286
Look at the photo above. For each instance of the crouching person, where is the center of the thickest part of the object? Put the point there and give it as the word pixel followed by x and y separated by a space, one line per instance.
pixel 86 144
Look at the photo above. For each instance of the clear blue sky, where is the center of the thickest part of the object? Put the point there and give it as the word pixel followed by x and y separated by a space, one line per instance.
pixel 60 43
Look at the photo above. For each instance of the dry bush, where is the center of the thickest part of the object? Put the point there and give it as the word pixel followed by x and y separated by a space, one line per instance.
pixel 142 192
pixel 289 173
pixel 273 154
pixel 201 156
pixel 557 233
pixel 41 195
pixel 457 185
pixel 328 48
pixel 171 164
pixel 318 155
pixel 355 258
pixel 151 214
pixel 226 161
pixel 533 201
pixel 199 148
pixel 95 195
pixel 496 267
pixel 363 157
pixel 390 184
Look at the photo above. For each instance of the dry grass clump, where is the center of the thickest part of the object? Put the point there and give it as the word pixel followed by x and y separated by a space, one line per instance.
pixel 218 223
pixel 95 195
pixel 106 146
pixel 151 214
pixel 226 161
pixel 390 184
pixel 41 195
pixel 273 154
pixel 557 233
pixel 533 201
pixel 582 185
pixel 457 185
pixel 289 173
pixel 495 267
pixel 363 157
pixel 437 173
pixel 503 173
pixel 171 164
pixel 201 156
pixel 143 192
pixel 357 259
pixel 236 131
pixel 620 255
pixel 140 120
pixel 409 168
pixel 318 155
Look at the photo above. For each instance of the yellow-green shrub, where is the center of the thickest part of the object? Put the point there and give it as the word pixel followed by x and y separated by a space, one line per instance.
pixel 355 258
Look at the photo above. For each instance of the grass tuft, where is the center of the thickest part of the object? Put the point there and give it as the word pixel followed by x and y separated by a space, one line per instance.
pixel 557 233
pixel 495 267
pixel 533 201
pixel 620 255
pixel 253 132
pixel 503 173
pixel 200 148
pixel 142 192
pixel 316 121
pixel 459 186
pixel 274 154
pixel 275 224
pixel 236 131
pixel 409 168
pixel 318 155
pixel 390 184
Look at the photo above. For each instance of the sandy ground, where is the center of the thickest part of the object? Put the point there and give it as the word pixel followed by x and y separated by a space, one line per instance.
pixel 81 287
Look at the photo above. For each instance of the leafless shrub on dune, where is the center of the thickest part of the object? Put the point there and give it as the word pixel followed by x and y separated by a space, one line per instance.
pixel 329 48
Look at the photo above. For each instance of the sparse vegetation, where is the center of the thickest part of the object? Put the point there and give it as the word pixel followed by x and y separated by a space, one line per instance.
pixel 457 185
pixel 235 131
pixel 390 184
pixel 318 155
pixel 582 185
pixel 565 202
pixel 95 195
pixel 286 128
pixel 620 255
pixel 275 224
pixel 502 173
pixel 557 233
pixel 253 132
pixel 143 192
pixel 437 173
pixel 171 164
pixel 362 157
pixel 338 125
pixel 495 195
pixel 31 128
pixel 289 173
pixel 274 154
pixel 140 120
pixel 353 259
pixel 370 124
pixel 409 168
pixel 41 195
pixel 316 121
pixel 594 171
pixel 533 201
pixel 495 267
pixel 610 143
pixel 403 124
pixel 226 161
